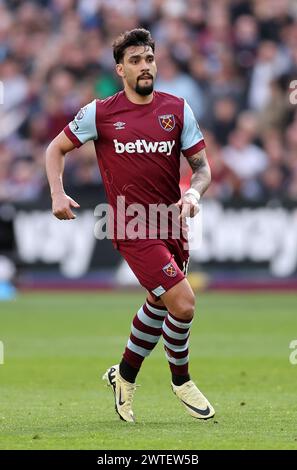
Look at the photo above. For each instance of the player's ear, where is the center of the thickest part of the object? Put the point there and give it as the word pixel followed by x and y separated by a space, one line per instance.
pixel 120 70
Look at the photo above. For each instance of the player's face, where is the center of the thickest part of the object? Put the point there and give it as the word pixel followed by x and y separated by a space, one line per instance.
pixel 138 69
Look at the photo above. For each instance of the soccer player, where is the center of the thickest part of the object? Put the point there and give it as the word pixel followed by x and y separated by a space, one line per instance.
pixel 139 135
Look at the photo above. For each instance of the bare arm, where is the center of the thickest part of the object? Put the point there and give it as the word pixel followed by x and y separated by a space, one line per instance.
pixel 200 181
pixel 55 155
pixel 201 171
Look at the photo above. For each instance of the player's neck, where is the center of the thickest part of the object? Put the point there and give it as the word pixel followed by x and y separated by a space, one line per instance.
pixel 136 98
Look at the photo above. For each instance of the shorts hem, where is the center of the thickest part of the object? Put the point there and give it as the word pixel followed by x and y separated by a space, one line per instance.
pixel 177 280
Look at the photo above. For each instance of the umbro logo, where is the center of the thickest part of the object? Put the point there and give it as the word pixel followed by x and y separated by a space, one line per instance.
pixel 119 125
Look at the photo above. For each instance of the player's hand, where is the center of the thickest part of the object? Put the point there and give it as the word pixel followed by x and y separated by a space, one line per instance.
pixel 62 206
pixel 188 206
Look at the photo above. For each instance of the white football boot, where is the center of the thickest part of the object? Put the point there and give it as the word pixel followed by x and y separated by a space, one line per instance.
pixel 123 393
pixel 193 400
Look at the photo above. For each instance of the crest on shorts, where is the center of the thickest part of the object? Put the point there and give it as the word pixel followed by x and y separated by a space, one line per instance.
pixel 170 270
pixel 167 122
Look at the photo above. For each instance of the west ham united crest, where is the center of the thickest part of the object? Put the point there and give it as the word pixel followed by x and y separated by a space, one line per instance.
pixel 170 270
pixel 167 122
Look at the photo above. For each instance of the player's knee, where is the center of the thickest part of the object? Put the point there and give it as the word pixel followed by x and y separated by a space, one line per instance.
pixel 185 308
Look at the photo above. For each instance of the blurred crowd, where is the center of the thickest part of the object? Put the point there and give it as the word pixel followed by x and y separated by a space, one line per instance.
pixel 233 60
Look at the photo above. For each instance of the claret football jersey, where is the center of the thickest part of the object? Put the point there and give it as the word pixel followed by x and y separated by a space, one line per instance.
pixel 138 146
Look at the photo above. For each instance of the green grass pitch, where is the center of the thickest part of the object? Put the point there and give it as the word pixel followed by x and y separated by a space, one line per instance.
pixel 58 345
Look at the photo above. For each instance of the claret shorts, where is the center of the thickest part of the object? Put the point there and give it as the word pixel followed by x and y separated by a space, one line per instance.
pixel 158 264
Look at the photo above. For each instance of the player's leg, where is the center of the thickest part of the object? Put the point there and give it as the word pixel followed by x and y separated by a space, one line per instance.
pixel 146 258
pixel 146 330
pixel 180 303
pixel 153 300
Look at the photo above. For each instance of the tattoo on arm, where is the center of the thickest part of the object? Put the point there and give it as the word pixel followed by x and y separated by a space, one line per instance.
pixel 201 171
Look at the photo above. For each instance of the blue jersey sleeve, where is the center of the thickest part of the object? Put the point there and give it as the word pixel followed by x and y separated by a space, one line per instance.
pixel 83 127
pixel 191 138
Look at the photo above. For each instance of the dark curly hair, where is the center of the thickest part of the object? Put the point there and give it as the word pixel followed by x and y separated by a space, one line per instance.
pixel 135 37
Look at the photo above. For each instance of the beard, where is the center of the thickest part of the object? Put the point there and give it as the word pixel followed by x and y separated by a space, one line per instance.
pixel 144 90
